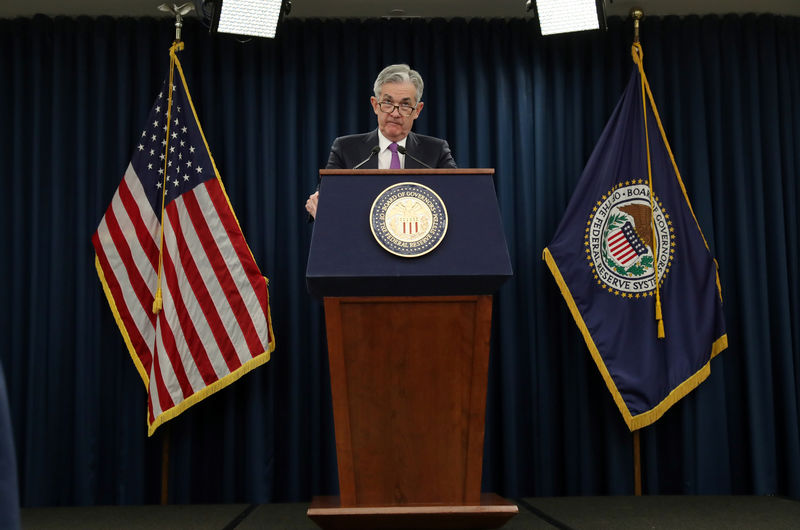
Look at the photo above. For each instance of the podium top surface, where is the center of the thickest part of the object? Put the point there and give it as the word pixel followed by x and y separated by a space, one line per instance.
pixel 442 171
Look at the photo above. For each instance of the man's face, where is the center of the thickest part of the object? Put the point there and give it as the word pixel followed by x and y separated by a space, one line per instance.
pixel 394 126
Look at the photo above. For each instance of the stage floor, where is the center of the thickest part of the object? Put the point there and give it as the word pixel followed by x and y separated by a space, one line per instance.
pixel 657 512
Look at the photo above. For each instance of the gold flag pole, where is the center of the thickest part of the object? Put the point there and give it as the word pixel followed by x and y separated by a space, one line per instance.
pixel 177 45
pixel 637 14
pixel 178 11
pixel 637 54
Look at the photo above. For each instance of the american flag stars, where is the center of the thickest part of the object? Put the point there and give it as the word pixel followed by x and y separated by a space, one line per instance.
pixel 170 145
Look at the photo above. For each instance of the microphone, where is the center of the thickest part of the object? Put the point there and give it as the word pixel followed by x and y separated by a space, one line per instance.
pixel 372 153
pixel 403 151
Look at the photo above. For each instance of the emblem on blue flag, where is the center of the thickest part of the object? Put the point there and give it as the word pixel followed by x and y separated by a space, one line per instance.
pixel 620 240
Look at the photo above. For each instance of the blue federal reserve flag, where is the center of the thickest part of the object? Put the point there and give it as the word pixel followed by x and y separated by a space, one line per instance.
pixel 634 267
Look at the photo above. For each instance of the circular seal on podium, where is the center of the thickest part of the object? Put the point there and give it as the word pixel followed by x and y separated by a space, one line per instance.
pixel 408 219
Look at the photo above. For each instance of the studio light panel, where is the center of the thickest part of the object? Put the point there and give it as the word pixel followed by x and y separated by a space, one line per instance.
pixel 562 16
pixel 258 18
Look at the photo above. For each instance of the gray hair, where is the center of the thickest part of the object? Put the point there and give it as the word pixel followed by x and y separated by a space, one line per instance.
pixel 398 73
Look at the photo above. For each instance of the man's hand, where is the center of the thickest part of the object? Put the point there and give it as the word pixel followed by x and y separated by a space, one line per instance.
pixel 311 204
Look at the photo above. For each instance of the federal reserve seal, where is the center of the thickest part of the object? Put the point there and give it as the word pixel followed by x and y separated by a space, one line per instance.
pixel 408 219
pixel 619 241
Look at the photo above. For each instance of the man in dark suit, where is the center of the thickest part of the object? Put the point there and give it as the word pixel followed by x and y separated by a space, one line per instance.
pixel 397 103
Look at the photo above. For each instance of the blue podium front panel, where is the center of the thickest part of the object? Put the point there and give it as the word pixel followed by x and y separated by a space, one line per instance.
pixel 346 260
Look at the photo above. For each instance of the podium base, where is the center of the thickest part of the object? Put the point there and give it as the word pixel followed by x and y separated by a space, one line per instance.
pixel 493 512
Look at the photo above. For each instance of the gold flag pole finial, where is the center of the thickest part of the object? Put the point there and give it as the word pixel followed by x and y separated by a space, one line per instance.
pixel 637 14
pixel 178 11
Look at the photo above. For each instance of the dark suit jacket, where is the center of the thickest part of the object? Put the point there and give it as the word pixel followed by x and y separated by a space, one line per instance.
pixel 349 151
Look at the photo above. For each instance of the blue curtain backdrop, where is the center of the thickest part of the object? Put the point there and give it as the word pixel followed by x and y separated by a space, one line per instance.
pixel 73 97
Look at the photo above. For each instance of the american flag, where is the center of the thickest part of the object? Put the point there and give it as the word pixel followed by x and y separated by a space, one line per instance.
pixel 215 323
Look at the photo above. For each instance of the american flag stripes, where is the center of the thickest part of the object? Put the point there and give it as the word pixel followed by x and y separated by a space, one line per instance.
pixel 215 323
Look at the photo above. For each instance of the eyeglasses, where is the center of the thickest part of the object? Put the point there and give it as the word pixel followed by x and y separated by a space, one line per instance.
pixel 403 108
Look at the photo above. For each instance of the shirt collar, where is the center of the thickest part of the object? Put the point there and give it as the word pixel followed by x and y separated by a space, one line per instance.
pixel 384 142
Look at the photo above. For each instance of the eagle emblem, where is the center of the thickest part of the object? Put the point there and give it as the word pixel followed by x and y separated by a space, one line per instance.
pixel 629 245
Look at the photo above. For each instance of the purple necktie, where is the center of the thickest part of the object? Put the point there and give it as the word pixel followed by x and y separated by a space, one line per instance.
pixel 395 157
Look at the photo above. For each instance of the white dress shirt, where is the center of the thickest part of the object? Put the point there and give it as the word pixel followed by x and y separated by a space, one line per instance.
pixel 385 156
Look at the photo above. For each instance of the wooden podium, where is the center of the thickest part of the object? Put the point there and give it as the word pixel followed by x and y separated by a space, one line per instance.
pixel 408 346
